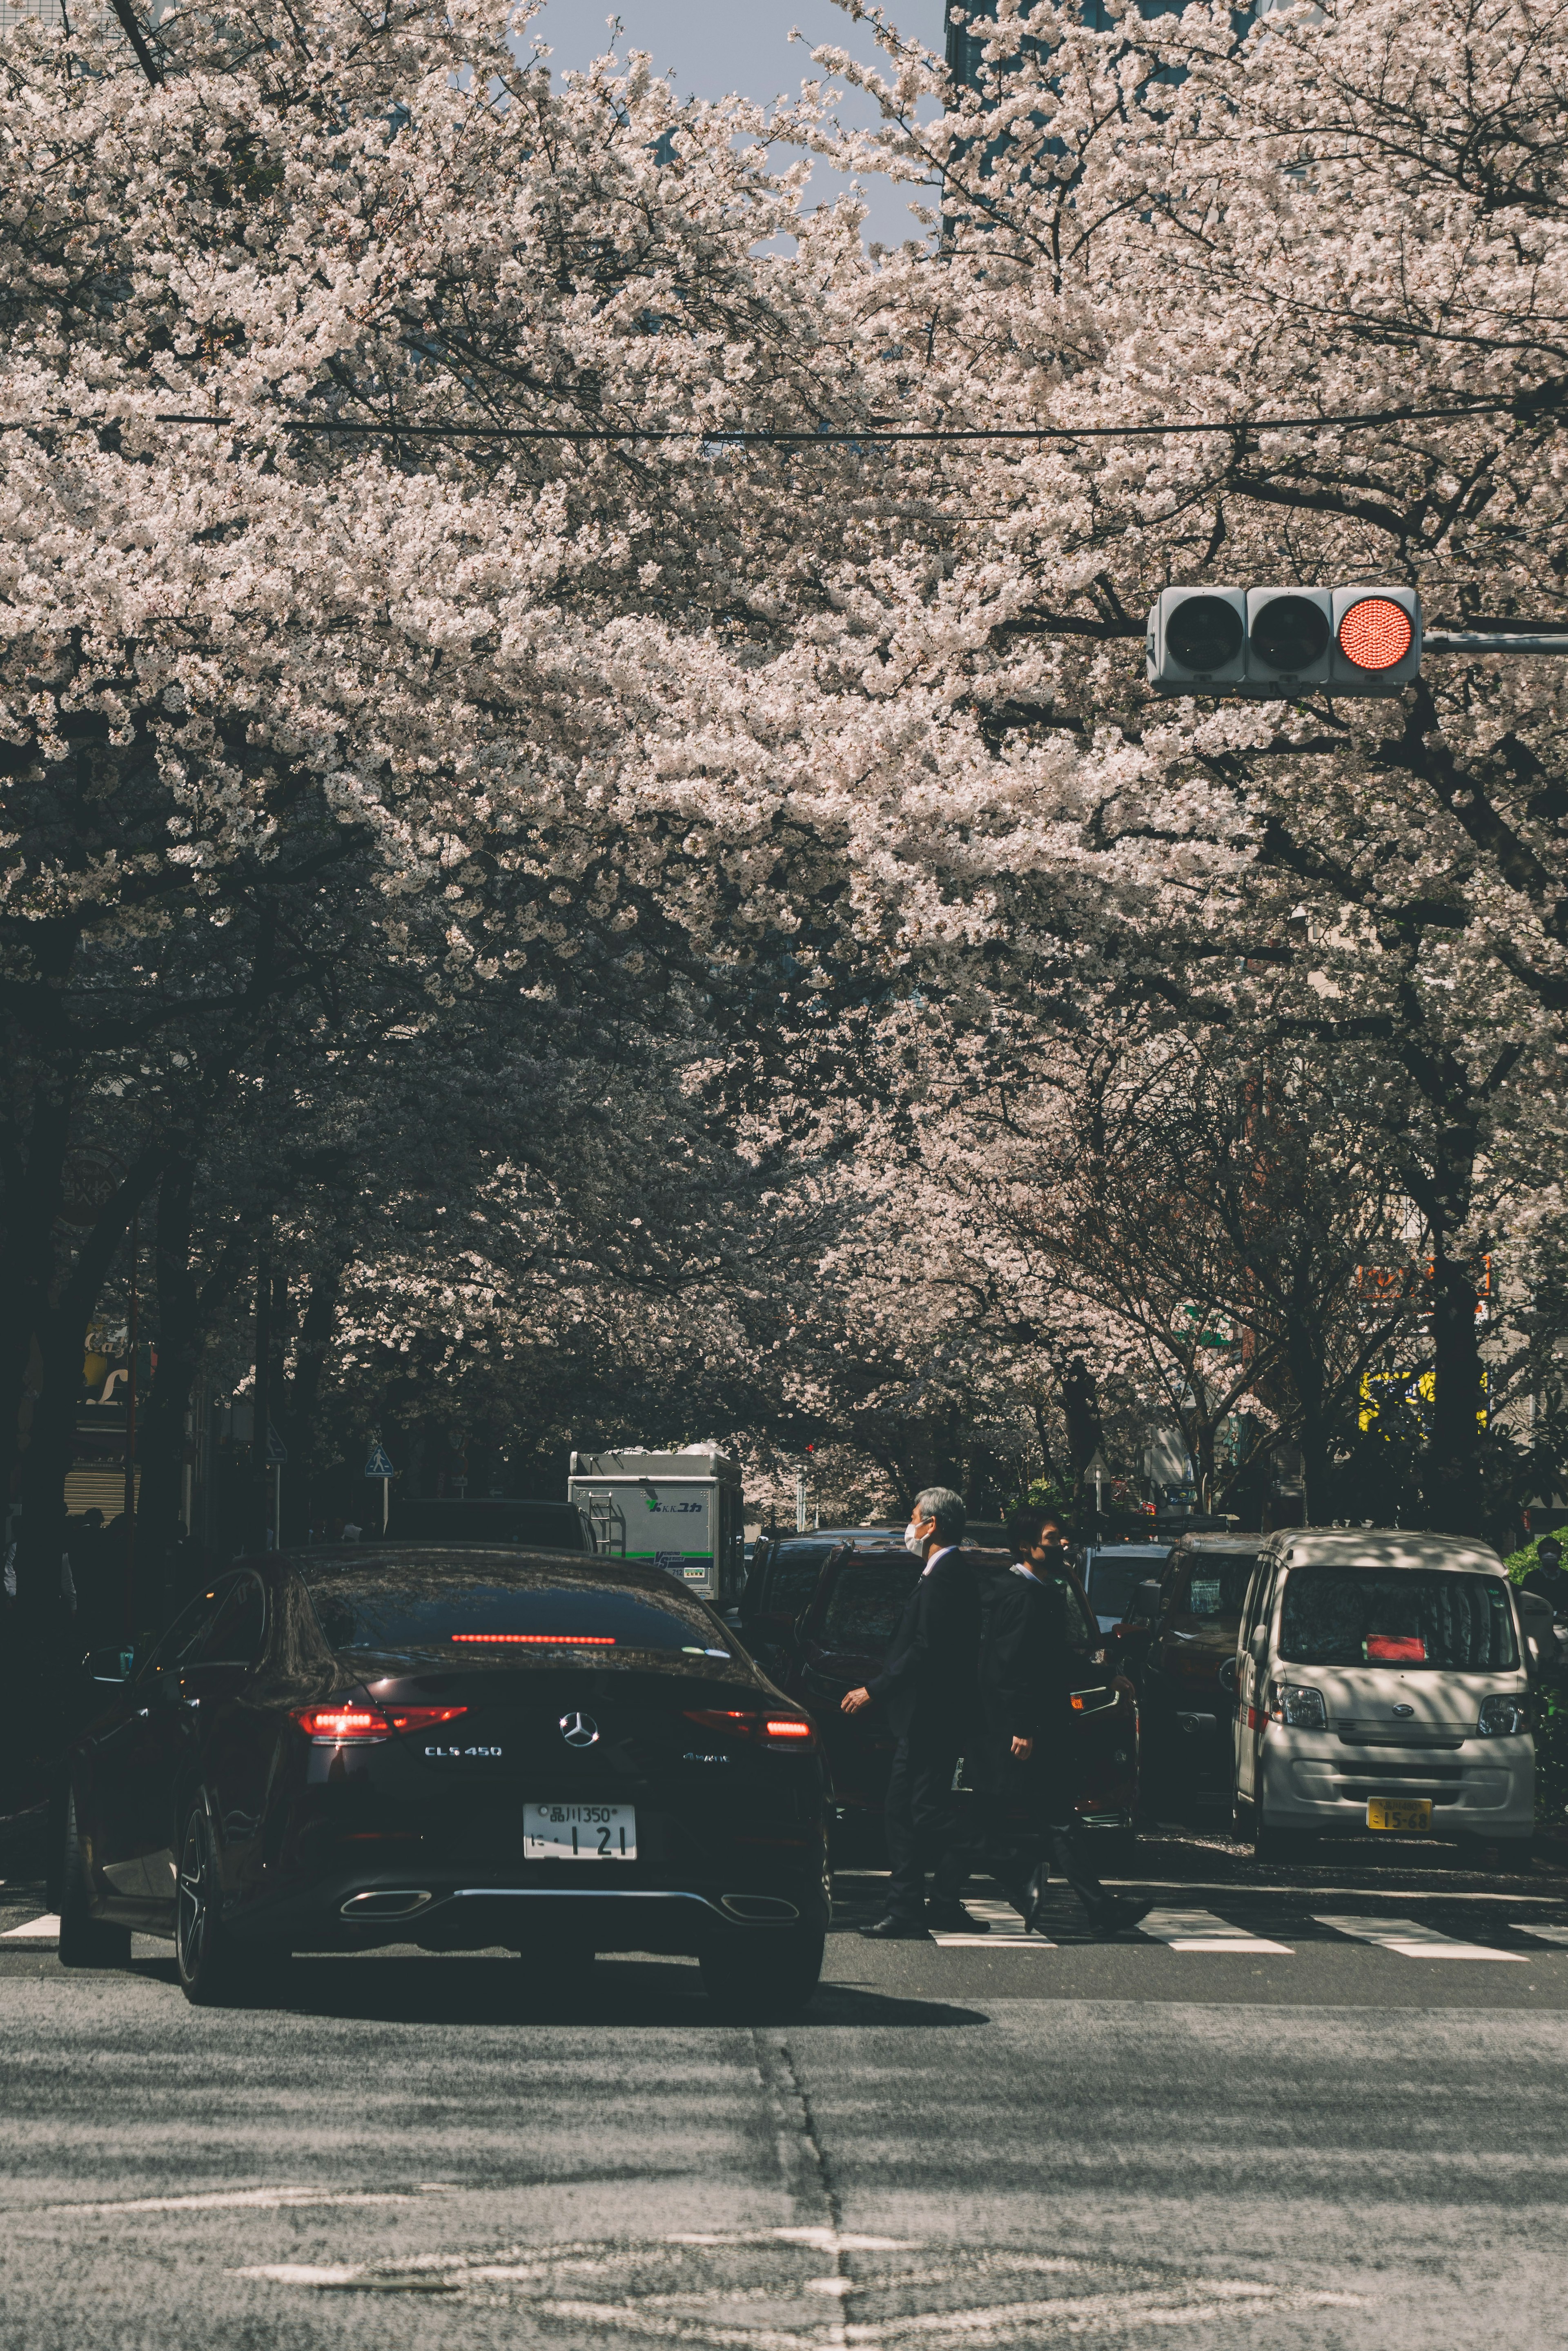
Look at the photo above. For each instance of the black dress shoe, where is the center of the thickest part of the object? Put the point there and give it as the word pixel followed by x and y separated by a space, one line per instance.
pixel 952 1919
pixel 894 1930
pixel 1114 1917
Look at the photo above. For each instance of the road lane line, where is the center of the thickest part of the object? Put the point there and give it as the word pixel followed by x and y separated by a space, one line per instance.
pixel 1412 1940
pixel 1542 1934
pixel 1200 1930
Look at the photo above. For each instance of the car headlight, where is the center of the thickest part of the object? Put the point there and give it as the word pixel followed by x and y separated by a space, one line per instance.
pixel 1299 1706
pixel 1503 1717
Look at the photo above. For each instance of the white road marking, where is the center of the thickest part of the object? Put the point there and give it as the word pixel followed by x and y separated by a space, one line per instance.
pixel 768 2309
pixel 1007 1932
pixel 37 1930
pixel 1412 1940
pixel 1200 1930
pixel 1542 1934
pixel 242 2200
pixel 831 2241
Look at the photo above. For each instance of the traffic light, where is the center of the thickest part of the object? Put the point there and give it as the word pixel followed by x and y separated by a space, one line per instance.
pixel 1278 642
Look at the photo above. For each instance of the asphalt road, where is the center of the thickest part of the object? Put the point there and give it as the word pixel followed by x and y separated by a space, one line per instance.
pixel 1336 2143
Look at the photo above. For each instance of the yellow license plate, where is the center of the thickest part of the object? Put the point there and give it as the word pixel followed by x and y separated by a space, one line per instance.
pixel 1410 1814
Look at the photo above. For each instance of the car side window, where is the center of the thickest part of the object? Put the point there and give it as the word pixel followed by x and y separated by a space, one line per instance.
pixel 183 1638
pixel 1263 1607
pixel 236 1632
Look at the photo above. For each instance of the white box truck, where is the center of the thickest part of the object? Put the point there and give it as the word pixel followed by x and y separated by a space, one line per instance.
pixel 680 1511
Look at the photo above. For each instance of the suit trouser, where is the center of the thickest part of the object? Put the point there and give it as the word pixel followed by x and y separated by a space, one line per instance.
pixel 1052 1836
pixel 924 1830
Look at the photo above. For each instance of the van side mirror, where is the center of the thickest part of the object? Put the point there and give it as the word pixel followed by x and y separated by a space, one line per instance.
pixel 110 1665
pixel 1145 1600
pixel 1257 1647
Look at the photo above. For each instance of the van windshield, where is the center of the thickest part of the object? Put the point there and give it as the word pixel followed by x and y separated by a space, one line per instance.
pixel 1370 1616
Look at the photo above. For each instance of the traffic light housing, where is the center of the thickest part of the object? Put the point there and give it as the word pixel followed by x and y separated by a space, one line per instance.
pixel 1280 642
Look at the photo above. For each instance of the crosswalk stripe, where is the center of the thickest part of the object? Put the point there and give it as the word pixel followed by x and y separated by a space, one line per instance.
pixel 1200 1930
pixel 1542 1934
pixel 35 1930
pixel 1008 1932
pixel 1412 1940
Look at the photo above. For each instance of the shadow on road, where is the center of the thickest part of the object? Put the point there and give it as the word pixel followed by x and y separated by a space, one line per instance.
pixel 490 1991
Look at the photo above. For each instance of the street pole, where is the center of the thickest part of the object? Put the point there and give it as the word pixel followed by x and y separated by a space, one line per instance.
pixel 131 1445
pixel 263 1401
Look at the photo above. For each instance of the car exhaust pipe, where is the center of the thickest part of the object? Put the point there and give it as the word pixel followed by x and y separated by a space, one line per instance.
pixel 757 1908
pixel 366 1908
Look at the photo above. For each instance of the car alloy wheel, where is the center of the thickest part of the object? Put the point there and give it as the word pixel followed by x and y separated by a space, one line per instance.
pixel 211 1969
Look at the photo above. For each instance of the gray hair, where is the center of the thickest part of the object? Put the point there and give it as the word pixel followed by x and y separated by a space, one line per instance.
pixel 941 1503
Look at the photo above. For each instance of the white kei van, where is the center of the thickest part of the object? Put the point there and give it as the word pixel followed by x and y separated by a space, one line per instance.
pixel 1381 1684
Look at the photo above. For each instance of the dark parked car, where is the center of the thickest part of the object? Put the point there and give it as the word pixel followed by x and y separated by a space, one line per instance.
pixel 1180 1650
pixel 338 1749
pixel 489 1518
pixel 784 1571
pixel 842 1638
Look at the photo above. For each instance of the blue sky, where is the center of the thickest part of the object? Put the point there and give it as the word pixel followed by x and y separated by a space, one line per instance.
pixel 718 45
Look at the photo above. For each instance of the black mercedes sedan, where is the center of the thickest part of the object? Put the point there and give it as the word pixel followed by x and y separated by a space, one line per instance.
pixel 464 1750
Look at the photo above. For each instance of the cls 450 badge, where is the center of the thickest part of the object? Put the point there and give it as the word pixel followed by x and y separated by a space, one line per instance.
pixel 444 1752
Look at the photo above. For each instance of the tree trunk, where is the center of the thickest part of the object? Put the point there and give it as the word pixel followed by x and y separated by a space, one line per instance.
pixel 1453 1478
pixel 161 1440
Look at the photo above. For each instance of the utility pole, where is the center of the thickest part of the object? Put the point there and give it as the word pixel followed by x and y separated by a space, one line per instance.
pixel 131 1443
pixel 263 1400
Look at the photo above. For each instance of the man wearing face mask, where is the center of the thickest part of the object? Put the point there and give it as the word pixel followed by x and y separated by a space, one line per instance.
pixel 927 1690
pixel 1027 1668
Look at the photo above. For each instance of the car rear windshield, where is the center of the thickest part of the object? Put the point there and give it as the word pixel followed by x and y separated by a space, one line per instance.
pixel 1216 1585
pixel 1113 1576
pixel 866 1603
pixel 1367 1617
pixel 442 1607
pixel 792 1575
pixel 535 1526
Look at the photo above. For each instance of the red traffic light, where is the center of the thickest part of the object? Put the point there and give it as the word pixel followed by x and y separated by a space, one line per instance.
pixel 1376 633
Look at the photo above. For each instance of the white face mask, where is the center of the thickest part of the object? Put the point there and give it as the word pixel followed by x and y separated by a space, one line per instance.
pixel 914 1540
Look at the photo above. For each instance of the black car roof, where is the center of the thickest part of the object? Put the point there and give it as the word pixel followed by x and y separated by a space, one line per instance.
pixel 469 1560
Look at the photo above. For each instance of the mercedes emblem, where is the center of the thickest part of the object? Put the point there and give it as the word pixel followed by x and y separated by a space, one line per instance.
pixel 580 1729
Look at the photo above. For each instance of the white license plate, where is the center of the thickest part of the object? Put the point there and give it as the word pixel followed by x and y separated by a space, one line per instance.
pixel 579 1833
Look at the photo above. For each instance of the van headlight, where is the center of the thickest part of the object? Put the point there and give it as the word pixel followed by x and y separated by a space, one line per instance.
pixel 1299 1706
pixel 1503 1717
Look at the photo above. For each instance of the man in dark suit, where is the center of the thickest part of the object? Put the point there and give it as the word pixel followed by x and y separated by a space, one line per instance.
pixel 927 1690
pixel 1028 1668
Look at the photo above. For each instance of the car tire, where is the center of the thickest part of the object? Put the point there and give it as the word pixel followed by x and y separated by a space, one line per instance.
pixel 764 1975
pixel 214 1970
pixel 85 1942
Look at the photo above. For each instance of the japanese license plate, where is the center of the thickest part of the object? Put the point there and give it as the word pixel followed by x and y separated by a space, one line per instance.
pixel 579 1833
pixel 1407 1814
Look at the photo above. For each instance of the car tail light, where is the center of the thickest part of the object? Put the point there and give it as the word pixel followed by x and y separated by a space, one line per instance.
pixel 342 1726
pixel 421 1718
pixel 782 1732
pixel 542 1640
